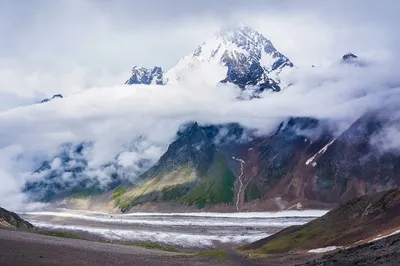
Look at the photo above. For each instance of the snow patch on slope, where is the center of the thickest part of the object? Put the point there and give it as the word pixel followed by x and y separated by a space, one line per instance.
pixel 323 250
pixel 385 236
pixel 320 152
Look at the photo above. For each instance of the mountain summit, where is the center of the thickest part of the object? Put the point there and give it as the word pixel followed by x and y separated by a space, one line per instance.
pixel 238 55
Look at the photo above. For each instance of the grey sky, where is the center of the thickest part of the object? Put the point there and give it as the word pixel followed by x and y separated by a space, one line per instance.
pixel 67 45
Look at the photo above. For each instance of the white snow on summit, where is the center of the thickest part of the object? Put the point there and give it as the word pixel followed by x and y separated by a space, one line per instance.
pixel 238 55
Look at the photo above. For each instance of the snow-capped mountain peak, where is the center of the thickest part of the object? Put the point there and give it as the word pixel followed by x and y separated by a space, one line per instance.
pixel 238 55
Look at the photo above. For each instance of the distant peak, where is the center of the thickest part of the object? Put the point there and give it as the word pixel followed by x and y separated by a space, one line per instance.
pixel 55 96
pixel 349 57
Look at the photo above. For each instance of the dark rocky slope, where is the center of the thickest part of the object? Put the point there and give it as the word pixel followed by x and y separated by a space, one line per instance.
pixel 381 252
pixel 12 220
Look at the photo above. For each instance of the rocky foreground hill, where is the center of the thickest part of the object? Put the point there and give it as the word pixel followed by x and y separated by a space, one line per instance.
pixel 380 252
pixel 12 220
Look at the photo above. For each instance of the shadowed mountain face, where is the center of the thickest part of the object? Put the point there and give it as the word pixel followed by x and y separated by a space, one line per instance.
pixel 332 169
pixel 355 165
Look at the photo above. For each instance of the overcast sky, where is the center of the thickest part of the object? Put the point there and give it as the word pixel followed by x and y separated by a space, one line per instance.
pixel 65 46
pixel 88 46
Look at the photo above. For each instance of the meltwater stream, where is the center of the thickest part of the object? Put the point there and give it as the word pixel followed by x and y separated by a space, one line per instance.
pixel 188 230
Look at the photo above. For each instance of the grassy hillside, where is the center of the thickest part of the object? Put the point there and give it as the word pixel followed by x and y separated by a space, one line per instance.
pixel 184 185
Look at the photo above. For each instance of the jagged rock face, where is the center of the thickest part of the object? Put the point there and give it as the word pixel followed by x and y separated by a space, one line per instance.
pixel 55 96
pixel 12 220
pixel 257 64
pixel 141 75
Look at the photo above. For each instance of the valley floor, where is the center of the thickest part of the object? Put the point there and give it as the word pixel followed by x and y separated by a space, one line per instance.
pixel 22 248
